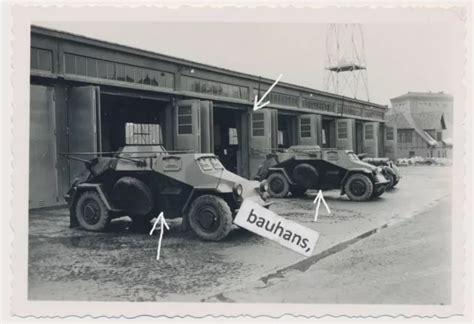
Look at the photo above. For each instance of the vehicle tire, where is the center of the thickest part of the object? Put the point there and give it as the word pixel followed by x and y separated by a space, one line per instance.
pixel 133 196
pixel 298 191
pixel 359 187
pixel 210 217
pixel 395 182
pixel 378 193
pixel 91 212
pixel 278 186
pixel 391 178
pixel 306 176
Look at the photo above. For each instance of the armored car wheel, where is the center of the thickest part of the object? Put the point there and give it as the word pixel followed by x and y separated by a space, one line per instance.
pixel 359 187
pixel 278 186
pixel 91 212
pixel 378 192
pixel 395 182
pixel 210 217
pixel 306 175
pixel 390 177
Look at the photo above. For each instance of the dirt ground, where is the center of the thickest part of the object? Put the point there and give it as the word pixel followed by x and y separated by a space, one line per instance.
pixel 119 265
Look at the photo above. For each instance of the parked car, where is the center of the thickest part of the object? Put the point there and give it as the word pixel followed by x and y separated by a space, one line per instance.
pixel 302 167
pixel 142 181
pixel 389 169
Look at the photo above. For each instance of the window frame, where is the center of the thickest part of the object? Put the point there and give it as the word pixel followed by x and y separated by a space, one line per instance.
pixel 254 129
pixel 345 129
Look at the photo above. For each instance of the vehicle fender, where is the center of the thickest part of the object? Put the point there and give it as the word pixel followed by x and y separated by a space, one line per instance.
pixel 97 187
pixel 282 171
pixel 74 195
pixel 389 170
pixel 353 171
pixel 195 192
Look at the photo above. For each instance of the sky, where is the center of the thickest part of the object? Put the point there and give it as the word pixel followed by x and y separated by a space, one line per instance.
pixel 399 57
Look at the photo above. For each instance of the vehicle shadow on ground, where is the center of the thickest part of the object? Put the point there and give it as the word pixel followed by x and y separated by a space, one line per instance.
pixel 342 199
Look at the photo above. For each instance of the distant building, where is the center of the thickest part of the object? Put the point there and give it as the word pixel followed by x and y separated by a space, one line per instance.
pixel 423 122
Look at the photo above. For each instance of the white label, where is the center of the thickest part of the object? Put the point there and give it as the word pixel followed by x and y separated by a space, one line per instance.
pixel 266 223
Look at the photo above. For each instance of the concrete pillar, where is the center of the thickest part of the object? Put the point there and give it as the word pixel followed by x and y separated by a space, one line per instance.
pixel 309 129
pixel 371 138
pixel 345 134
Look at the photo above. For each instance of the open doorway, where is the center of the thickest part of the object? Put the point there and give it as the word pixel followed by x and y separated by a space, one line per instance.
pixel 130 120
pixel 227 137
pixel 287 130
pixel 359 147
pixel 328 139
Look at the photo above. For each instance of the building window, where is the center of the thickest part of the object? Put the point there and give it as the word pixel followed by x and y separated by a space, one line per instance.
pixel 120 68
pixel 214 88
pixel 369 132
pixel 185 120
pixel 305 127
pixel 405 136
pixel 439 136
pixel 70 63
pixel 431 132
pixel 81 66
pixel 102 69
pixel 97 68
pixel 342 130
pixel 41 59
pixel 280 98
pixel 258 124
pixel 318 105
pixel 389 133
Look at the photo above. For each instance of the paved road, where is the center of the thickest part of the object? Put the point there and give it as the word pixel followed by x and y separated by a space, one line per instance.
pixel 71 264
pixel 404 263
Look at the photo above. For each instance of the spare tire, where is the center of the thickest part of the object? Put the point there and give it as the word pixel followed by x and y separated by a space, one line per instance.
pixel 132 196
pixel 306 176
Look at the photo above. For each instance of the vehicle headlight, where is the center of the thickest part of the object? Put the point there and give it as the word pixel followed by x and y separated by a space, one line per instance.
pixel 238 190
pixel 264 186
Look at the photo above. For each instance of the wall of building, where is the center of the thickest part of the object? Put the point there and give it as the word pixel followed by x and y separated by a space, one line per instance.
pixel 79 73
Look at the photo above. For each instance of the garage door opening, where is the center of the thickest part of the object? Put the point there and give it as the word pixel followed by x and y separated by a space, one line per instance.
pixel 359 147
pixel 130 120
pixel 328 139
pixel 227 137
pixel 287 130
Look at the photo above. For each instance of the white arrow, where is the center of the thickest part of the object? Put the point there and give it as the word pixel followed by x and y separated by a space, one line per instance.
pixel 317 201
pixel 258 104
pixel 161 219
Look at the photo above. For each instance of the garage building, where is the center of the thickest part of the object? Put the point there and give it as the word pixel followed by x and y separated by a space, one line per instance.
pixel 88 95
